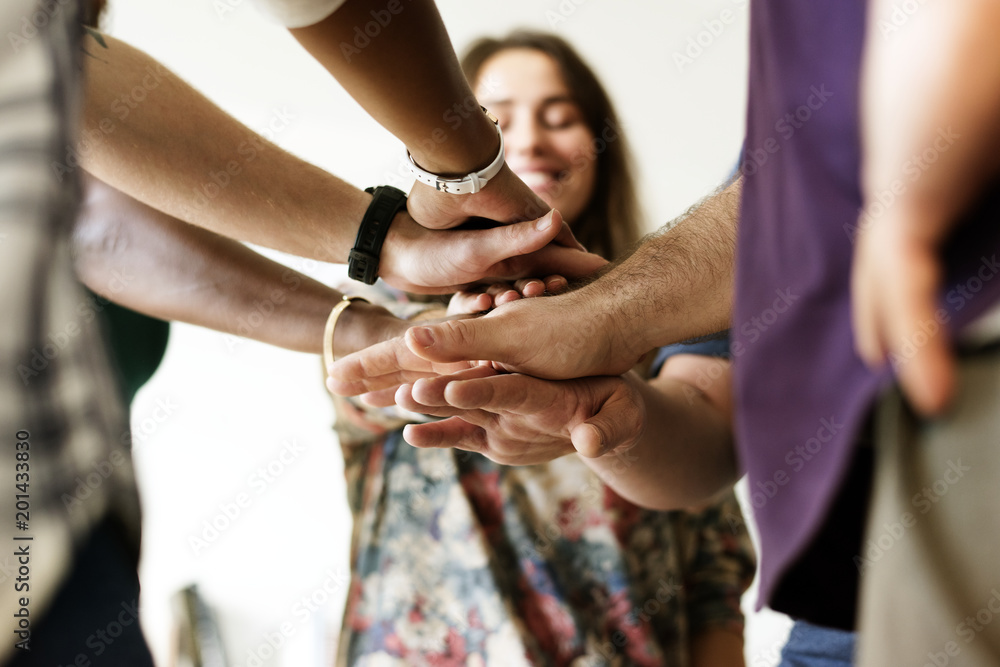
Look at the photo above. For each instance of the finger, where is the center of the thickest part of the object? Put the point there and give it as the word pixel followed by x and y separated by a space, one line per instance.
pixel 469 303
pixel 404 399
pixel 550 259
pixel 382 366
pixel 617 423
pixel 919 344
pixel 373 368
pixel 431 391
pixel 506 297
pixel 865 290
pixel 500 243
pixel 458 340
pixel 555 284
pixel 497 288
pixel 502 393
pixel 452 433
pixel 382 398
pixel 529 287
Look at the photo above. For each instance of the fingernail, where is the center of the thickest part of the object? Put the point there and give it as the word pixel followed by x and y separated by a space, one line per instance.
pixel 423 336
pixel 544 222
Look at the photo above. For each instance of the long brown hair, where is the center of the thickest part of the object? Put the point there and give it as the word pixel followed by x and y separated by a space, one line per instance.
pixel 610 223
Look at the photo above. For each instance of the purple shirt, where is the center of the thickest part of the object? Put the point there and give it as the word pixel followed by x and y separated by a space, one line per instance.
pixel 802 391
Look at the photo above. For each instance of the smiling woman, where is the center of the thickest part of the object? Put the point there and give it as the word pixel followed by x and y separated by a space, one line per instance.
pixel 562 134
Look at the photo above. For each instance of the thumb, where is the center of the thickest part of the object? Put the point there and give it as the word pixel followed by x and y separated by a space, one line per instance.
pixel 520 238
pixel 459 340
pixel 618 423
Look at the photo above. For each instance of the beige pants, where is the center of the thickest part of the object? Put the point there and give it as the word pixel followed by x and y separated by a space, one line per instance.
pixel 930 563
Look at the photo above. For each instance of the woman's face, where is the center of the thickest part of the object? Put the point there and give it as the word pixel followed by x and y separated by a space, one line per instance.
pixel 548 144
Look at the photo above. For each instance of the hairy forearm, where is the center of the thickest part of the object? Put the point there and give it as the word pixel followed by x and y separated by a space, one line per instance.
pixel 930 108
pixel 155 264
pixel 154 137
pixel 684 454
pixel 410 59
pixel 678 283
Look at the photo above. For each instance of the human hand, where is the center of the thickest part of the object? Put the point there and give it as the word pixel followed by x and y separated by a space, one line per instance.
pixel 576 334
pixel 895 282
pixel 505 199
pixel 364 325
pixel 487 297
pixel 426 261
pixel 521 420
pixel 929 108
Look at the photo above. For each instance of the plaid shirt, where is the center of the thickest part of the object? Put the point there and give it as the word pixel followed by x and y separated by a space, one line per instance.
pixel 56 386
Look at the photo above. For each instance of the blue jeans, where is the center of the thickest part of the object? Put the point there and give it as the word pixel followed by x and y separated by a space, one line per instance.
pixel 815 646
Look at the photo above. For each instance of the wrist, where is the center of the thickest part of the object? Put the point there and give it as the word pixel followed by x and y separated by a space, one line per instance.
pixel 461 152
pixel 398 239
pixel 362 325
pixel 622 329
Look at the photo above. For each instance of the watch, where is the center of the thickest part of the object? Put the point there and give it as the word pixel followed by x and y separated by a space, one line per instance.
pixel 363 260
pixel 463 185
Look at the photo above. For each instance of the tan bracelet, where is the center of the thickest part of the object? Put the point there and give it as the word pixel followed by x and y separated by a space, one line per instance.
pixel 331 324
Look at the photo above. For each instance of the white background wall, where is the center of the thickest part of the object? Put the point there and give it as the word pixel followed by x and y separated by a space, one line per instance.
pixel 221 409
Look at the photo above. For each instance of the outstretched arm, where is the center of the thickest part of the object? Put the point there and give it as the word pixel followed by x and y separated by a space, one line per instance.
pixel 664 444
pixel 408 78
pixel 179 153
pixel 155 264
pixel 676 285
pixel 931 85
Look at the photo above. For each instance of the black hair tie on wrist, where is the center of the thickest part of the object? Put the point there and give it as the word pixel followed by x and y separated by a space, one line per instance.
pixel 362 262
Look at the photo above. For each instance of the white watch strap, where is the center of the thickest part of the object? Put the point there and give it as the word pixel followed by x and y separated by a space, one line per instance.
pixel 464 185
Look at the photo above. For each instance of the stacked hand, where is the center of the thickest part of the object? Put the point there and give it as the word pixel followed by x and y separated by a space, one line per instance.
pixel 520 420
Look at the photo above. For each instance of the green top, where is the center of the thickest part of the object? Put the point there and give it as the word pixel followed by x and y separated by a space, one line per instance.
pixel 137 344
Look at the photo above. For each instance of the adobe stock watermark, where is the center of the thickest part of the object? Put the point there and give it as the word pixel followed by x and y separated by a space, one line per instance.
pixel 797 458
pixel 246 152
pixel 363 35
pixel 769 656
pixel 957 297
pixel 121 107
pixel 967 630
pixel 86 486
pixel 562 12
pixel 452 118
pixel 785 128
pixel 302 610
pixel 667 590
pixel 106 633
pixel 900 15
pixel 892 533
pixel 570 522
pixel 912 170
pixel 713 369
pixel 262 310
pixel 223 8
pixel 143 429
pixel 38 20
pixel 229 512
pixel 712 29
pixel 41 357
